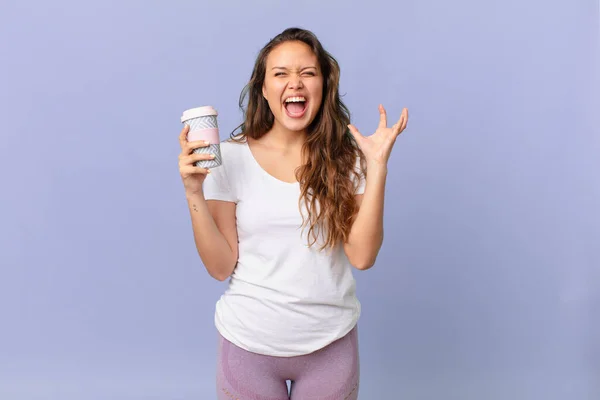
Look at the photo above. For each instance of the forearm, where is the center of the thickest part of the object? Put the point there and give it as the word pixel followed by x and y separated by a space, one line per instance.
pixel 217 255
pixel 366 234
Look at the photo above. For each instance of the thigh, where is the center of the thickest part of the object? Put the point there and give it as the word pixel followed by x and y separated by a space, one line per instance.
pixel 331 373
pixel 242 375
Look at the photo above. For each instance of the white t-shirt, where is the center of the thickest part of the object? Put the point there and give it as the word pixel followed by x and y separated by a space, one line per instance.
pixel 284 298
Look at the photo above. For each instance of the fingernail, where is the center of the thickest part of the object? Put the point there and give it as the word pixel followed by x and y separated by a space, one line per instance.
pixel 208 171
pixel 212 156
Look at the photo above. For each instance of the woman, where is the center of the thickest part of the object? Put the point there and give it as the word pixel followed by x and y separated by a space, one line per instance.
pixel 296 204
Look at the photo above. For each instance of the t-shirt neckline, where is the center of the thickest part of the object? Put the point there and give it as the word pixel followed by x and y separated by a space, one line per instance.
pixel 263 171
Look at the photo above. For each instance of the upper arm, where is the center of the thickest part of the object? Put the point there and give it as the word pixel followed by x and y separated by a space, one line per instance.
pixel 223 213
pixel 359 199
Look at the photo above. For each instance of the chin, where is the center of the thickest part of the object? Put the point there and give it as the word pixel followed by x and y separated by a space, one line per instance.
pixel 296 126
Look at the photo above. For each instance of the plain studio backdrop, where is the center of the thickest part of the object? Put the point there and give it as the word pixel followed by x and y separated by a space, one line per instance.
pixel 488 284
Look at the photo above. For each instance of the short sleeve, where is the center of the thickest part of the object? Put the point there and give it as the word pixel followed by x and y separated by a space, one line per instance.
pixel 359 182
pixel 218 186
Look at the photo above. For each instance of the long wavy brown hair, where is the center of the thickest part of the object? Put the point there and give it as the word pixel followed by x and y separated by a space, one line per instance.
pixel 329 177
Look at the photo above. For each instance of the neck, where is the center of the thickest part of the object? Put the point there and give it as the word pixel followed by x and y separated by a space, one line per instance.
pixel 283 138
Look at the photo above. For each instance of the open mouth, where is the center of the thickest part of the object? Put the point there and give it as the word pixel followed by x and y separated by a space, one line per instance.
pixel 295 107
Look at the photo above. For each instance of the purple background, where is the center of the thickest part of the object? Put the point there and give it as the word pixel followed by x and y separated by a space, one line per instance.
pixel 488 283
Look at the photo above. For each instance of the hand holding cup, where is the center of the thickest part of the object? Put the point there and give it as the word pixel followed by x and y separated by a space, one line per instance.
pixel 192 176
pixel 200 146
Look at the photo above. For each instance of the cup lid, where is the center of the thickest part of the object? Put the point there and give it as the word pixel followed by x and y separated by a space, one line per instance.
pixel 198 112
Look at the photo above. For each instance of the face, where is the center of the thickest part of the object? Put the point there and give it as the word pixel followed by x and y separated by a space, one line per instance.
pixel 293 85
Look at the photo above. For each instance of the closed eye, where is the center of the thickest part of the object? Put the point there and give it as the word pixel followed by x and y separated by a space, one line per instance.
pixel 305 73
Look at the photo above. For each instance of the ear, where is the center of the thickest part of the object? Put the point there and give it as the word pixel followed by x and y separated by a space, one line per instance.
pixel 264 92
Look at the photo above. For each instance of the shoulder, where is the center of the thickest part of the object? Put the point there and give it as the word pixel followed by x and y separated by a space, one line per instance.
pixel 232 153
pixel 233 144
pixel 223 183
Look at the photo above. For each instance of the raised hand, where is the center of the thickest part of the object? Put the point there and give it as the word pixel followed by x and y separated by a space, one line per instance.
pixel 378 147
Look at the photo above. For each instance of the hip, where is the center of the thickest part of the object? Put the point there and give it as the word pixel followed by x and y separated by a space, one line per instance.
pixel 284 330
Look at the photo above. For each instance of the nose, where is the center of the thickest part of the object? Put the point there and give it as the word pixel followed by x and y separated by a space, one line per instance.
pixel 295 82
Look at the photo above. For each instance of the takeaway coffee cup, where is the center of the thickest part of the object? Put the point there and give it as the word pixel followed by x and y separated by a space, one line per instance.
pixel 203 126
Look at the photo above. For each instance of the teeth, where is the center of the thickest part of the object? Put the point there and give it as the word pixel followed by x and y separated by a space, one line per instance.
pixel 294 99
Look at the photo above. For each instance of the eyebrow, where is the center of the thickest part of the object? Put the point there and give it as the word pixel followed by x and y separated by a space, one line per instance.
pixel 300 70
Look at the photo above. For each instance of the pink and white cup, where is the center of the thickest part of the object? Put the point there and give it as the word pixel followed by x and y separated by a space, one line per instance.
pixel 203 126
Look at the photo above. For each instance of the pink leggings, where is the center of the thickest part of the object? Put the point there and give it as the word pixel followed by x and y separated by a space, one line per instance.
pixel 331 373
